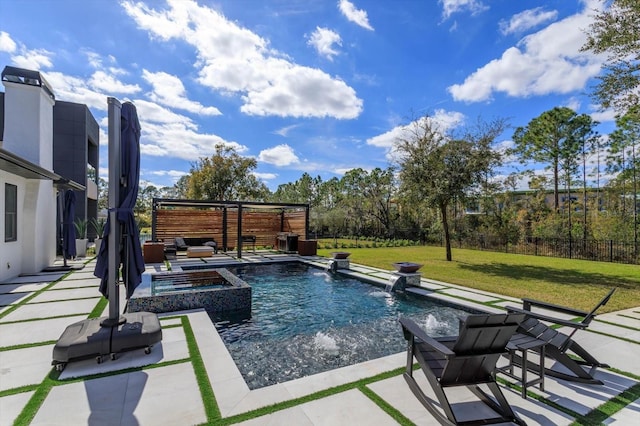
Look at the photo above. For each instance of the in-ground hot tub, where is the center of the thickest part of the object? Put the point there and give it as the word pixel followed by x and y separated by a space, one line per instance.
pixel 215 290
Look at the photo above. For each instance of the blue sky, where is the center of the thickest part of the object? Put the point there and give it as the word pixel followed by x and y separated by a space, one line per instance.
pixel 316 86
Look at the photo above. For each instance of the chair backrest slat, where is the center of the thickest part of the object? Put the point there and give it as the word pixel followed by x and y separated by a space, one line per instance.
pixel 482 340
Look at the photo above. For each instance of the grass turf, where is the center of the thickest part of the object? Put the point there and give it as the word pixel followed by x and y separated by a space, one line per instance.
pixel 576 283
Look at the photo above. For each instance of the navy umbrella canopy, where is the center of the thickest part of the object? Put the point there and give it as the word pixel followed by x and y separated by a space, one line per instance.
pixel 68 228
pixel 130 249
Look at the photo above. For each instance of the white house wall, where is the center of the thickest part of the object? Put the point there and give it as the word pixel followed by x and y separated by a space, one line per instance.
pixel 28 131
pixel 35 246
pixel 39 226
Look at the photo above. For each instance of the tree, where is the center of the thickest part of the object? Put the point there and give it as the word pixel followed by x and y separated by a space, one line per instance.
pixel 616 32
pixel 552 138
pixel 437 169
pixel 380 192
pixel 225 176
pixel 103 194
pixel 624 158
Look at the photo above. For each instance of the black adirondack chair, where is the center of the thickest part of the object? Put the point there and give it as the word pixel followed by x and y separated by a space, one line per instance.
pixel 560 345
pixel 466 360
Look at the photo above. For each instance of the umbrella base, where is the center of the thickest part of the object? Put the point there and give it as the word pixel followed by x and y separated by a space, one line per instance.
pixel 90 338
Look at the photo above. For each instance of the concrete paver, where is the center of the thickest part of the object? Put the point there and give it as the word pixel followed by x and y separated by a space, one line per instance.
pixel 11 406
pixel 22 367
pixel 51 309
pixel 22 333
pixel 66 294
pixel 161 396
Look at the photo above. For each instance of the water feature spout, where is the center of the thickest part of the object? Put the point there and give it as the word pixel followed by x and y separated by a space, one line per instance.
pixel 332 266
pixel 396 283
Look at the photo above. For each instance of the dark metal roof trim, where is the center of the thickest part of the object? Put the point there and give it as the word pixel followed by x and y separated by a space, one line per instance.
pixel 174 202
pixel 11 163
pixel 29 77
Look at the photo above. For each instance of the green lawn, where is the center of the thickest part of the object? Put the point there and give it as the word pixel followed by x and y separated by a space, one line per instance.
pixel 576 283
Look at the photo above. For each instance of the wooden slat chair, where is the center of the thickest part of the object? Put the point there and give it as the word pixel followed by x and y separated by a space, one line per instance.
pixel 560 345
pixel 466 360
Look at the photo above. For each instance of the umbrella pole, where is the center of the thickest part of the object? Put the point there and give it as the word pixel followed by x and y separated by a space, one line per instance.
pixel 115 231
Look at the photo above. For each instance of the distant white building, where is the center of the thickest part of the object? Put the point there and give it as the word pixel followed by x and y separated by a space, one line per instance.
pixel 28 185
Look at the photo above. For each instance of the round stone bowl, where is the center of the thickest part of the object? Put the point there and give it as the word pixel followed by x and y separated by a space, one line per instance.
pixel 340 254
pixel 407 267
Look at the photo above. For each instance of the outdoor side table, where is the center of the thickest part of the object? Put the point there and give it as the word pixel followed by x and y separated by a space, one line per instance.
pixel 153 252
pixel 524 344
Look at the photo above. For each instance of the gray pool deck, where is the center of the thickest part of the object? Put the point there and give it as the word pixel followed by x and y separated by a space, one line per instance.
pixel 191 366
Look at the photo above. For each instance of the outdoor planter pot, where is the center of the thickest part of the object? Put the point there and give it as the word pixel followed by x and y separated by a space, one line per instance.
pixel 340 254
pixel 407 267
pixel 81 237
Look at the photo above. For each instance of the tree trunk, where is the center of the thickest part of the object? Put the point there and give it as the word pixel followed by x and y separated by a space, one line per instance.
pixel 556 197
pixel 445 227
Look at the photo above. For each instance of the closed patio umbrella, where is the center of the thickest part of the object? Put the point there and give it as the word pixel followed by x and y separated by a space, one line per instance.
pixel 130 249
pixel 68 228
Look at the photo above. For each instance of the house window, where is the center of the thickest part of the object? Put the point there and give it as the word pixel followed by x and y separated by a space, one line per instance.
pixel 10 212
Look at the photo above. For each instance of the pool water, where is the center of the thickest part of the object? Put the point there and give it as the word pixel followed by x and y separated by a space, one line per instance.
pixel 305 321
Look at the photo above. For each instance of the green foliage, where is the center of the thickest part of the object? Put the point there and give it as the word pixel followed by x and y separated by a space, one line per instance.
pixel 615 31
pixel 98 226
pixel 225 176
pixel 437 169
pixel 554 138
pixel 81 228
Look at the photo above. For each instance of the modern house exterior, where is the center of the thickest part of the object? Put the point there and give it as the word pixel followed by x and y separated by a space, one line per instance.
pixel 76 136
pixel 29 181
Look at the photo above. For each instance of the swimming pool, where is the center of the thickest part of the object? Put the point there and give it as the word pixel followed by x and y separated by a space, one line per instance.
pixel 305 321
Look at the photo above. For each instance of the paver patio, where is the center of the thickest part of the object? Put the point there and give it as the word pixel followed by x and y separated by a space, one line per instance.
pixel 177 382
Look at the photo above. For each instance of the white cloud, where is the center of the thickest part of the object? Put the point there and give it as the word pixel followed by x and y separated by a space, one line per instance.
pixel 6 43
pixel 526 20
pixel 234 60
pixel 168 90
pixel 573 103
pixel 323 40
pixel 36 59
pixel 357 16
pixel 171 173
pixel 22 57
pixel 600 115
pixel 546 62
pixel 107 83
pixel 444 120
pixel 284 131
pixel 449 7
pixel 265 176
pixel 280 155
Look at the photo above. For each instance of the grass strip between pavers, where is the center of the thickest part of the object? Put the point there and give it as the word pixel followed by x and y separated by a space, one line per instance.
pixel 609 408
pixel 308 398
pixel 31 296
pixel 79 314
pixel 99 309
pixel 28 345
pixel 613 336
pixel 628 327
pixel 629 316
pixel 386 407
pixel 206 391
pixel 538 398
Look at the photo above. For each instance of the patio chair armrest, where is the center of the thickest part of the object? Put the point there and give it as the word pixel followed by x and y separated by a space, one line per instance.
pixel 528 303
pixel 547 318
pixel 411 329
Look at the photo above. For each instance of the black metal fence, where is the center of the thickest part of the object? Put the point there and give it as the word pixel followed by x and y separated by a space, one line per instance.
pixel 602 251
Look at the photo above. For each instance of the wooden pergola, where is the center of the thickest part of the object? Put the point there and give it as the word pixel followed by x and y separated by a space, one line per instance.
pixel 228 222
